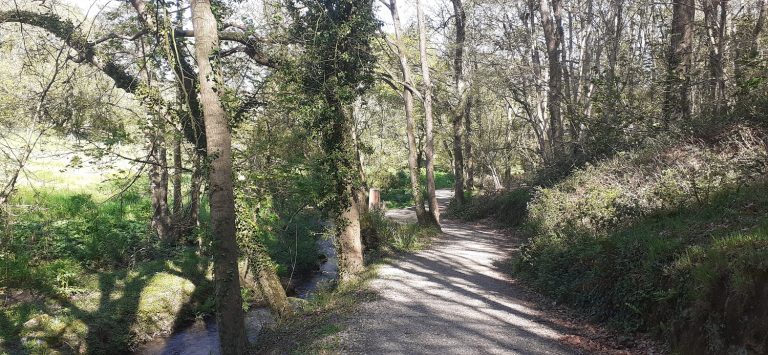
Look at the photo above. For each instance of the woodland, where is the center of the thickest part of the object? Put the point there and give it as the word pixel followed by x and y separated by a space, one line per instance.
pixel 164 162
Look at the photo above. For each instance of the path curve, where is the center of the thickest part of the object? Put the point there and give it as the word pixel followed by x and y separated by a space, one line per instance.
pixel 453 298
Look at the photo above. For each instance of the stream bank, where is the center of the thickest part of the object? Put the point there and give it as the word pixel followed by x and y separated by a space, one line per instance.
pixel 202 336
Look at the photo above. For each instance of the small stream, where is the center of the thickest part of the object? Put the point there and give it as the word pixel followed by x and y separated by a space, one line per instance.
pixel 202 336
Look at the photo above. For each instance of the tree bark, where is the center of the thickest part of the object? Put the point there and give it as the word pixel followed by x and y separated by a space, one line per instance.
pixel 429 145
pixel 350 242
pixel 229 311
pixel 158 180
pixel 259 262
pixel 462 106
pixel 413 164
pixel 468 157
pixel 194 191
pixel 614 47
pixel 715 17
pixel 177 172
pixel 677 103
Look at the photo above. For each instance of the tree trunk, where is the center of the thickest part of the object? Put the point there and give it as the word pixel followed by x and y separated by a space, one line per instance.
pixel 362 190
pixel 350 242
pixel 158 181
pixel 762 8
pixel 462 106
pixel 229 310
pixel 468 159
pixel 614 34
pixel 264 268
pixel 413 164
pixel 551 21
pixel 177 172
pixel 715 17
pixel 194 191
pixel 429 145
pixel 677 103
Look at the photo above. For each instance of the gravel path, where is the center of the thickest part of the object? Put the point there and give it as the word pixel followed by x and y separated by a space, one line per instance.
pixel 452 299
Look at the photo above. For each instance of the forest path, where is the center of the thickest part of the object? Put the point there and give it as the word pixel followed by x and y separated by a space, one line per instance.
pixel 453 298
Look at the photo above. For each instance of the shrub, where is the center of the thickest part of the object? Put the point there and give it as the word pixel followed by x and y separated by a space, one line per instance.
pixel 670 239
pixel 507 207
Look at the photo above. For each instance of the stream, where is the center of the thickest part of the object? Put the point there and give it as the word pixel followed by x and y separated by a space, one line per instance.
pixel 202 336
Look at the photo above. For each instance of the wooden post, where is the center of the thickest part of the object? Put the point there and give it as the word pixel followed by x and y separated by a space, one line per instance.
pixel 374 199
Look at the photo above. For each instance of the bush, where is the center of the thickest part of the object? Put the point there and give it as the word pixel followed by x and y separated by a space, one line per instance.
pixel 671 240
pixel 507 207
pixel 98 235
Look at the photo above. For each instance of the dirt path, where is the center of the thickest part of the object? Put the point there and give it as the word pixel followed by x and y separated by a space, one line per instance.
pixel 455 298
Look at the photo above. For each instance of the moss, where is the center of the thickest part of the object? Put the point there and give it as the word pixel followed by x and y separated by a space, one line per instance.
pixel 49 334
pixel 160 305
pixel 113 311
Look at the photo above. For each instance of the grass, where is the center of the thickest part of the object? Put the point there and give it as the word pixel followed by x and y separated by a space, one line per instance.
pixel 109 310
pixel 383 236
pixel 83 273
pixel 317 324
pixel 396 190
pixel 671 240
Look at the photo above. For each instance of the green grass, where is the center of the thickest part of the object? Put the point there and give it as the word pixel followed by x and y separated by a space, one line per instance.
pixel 396 190
pixel 384 236
pixel 315 327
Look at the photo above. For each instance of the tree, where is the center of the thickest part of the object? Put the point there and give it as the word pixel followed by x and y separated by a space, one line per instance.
pixel 677 103
pixel 429 146
pixel 229 311
pixel 715 18
pixel 334 69
pixel 551 20
pixel 408 93
pixel 462 92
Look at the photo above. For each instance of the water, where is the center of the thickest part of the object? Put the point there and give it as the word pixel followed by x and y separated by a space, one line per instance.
pixel 202 337
pixel 328 272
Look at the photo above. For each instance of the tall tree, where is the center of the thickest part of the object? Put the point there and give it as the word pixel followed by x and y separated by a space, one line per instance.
pixel 551 20
pixel 462 93
pixel 429 145
pixel 408 87
pixel 715 19
pixel 229 310
pixel 334 69
pixel 677 103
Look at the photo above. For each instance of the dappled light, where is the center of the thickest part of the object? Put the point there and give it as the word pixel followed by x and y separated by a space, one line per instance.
pixel 384 177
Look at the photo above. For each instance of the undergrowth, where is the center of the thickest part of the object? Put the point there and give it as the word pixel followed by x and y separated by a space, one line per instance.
pixel 82 273
pixel 671 240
